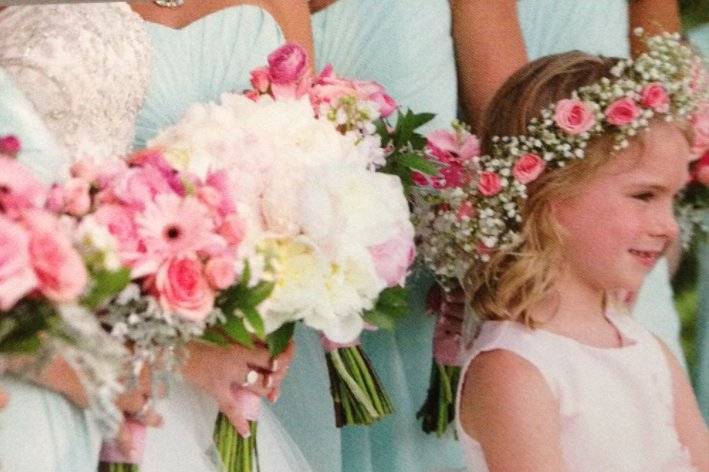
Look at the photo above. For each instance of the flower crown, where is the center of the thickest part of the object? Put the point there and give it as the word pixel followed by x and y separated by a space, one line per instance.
pixel 669 80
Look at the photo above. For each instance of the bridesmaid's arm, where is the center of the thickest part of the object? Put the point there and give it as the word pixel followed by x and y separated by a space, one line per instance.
pixel 654 16
pixel 489 48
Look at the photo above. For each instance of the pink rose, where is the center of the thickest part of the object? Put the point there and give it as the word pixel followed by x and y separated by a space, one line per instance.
pixel 59 268
pixel 260 79
pixel 77 201
pixel 120 223
pixel 20 189
pixel 527 168
pixel 182 288
pixel 17 278
pixel 655 96
pixel 393 258
pixel 573 116
pixel 700 123
pixel 622 112
pixel 9 145
pixel 490 184
pixel 220 272
pixel 289 70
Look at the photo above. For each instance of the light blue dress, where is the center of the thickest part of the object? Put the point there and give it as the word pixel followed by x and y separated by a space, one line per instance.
pixel 601 27
pixel 700 37
pixel 407 47
pixel 40 429
pixel 196 64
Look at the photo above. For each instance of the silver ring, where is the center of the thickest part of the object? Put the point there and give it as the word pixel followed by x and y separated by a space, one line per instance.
pixel 142 414
pixel 251 378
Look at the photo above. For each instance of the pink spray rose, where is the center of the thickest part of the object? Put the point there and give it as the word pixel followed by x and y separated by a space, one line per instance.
pixel 573 116
pixel 622 112
pixel 220 272
pixel 59 268
pixel 182 288
pixel 17 278
pixel 655 96
pixel 527 168
pixel 490 184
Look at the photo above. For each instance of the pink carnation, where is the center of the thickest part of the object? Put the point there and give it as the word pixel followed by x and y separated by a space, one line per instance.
pixel 655 96
pixel 17 278
pixel 183 290
pixel 573 116
pixel 527 168
pixel 490 184
pixel 622 112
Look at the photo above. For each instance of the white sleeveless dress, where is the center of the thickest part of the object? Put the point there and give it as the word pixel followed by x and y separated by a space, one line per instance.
pixel 72 80
pixel 616 404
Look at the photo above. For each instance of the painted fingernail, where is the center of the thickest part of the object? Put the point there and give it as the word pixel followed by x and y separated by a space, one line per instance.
pixel 275 364
pixel 251 378
pixel 269 381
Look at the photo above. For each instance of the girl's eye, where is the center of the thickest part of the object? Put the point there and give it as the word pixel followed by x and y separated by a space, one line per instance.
pixel 644 196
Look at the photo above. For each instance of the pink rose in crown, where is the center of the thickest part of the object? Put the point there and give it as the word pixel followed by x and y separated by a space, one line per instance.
pixel 622 112
pixel 393 258
pixel 655 96
pixel 527 168
pixel 489 184
pixel 260 79
pixel 17 278
pixel 573 116
pixel 289 71
pixel 700 123
pixel 20 189
pixel 77 201
pixel 59 268
pixel 183 289
pixel 9 145
pixel 466 210
pixel 220 272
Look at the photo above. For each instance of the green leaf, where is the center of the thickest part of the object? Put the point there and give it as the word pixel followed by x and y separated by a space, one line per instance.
pixel 279 339
pixel 258 294
pixel 212 336
pixel 418 162
pixel 255 320
pixel 106 285
pixel 391 305
pixel 236 330
pixel 379 319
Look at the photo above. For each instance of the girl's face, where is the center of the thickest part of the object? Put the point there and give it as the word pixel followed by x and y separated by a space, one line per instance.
pixel 621 221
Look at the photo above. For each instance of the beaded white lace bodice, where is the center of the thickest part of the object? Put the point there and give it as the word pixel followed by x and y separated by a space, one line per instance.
pixel 85 69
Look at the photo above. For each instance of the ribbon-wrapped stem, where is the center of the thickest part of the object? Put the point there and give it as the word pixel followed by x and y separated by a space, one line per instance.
pixel 358 396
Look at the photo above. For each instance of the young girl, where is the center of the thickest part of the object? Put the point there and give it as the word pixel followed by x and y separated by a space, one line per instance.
pixel 558 377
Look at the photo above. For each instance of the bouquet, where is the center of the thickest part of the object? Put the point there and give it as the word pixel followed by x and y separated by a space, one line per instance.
pixel 54 272
pixel 327 235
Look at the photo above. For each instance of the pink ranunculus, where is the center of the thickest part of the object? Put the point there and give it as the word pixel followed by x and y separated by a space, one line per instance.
pixel 220 272
pixel 260 79
pixel 393 258
pixel 77 201
pixel 700 123
pixel 17 278
pixel 183 290
pixel 289 70
pixel 59 268
pixel 527 168
pixel 490 184
pixel 622 112
pixel 655 96
pixel 9 145
pixel 573 116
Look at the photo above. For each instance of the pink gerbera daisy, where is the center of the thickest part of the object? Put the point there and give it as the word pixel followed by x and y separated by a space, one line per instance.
pixel 173 226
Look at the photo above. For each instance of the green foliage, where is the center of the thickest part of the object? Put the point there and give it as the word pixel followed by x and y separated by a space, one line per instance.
pixel 391 306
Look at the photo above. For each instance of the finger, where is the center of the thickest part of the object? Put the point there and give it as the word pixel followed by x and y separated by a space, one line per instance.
pixel 257 357
pixel 131 403
pixel 151 418
pixel 274 395
pixel 262 388
pixel 125 440
pixel 233 413
pixel 283 360
pixel 3 399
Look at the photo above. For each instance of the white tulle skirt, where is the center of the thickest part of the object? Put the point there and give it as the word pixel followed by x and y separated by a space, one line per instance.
pixel 184 442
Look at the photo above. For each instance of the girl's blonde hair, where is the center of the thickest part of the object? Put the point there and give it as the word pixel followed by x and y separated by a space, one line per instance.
pixel 516 279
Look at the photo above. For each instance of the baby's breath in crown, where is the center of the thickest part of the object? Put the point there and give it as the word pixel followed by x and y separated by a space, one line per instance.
pixel 668 81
